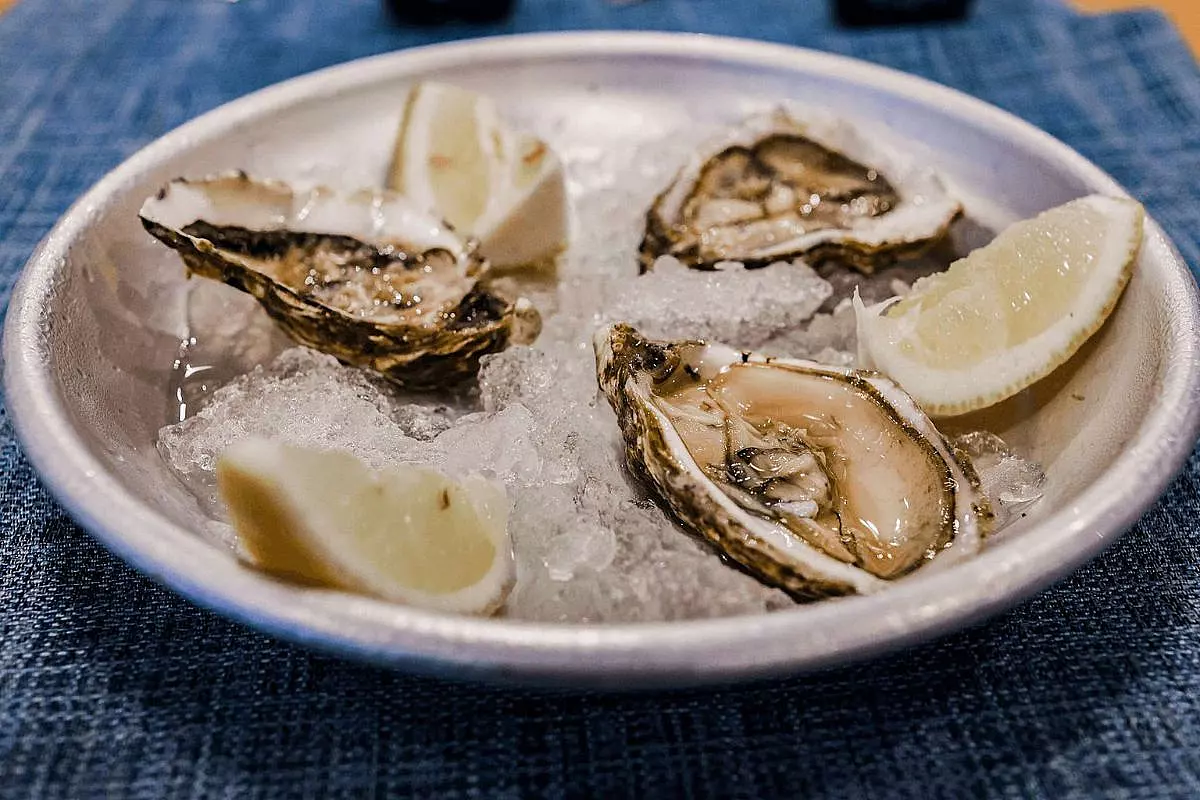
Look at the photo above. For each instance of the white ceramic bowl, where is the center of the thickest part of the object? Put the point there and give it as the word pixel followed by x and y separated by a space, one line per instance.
pixel 95 321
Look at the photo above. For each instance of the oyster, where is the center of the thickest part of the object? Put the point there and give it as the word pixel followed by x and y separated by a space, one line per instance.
pixel 776 188
pixel 366 277
pixel 819 480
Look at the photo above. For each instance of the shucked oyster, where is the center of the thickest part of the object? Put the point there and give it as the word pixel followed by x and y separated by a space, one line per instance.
pixel 366 277
pixel 817 479
pixel 775 188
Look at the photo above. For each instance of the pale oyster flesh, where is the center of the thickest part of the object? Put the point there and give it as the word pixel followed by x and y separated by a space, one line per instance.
pixel 366 277
pixel 777 188
pixel 819 480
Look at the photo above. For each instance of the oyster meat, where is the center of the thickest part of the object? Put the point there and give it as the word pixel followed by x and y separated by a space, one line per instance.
pixel 776 188
pixel 367 277
pixel 819 480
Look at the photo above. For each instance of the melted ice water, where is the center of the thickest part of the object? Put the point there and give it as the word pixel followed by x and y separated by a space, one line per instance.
pixel 590 545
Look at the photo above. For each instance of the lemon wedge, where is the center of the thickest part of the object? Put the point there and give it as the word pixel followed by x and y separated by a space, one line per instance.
pixel 1009 313
pixel 455 155
pixel 404 533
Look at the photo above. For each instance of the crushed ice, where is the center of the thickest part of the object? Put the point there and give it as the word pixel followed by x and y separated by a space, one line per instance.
pixel 590 546
pixel 1010 482
pixel 740 307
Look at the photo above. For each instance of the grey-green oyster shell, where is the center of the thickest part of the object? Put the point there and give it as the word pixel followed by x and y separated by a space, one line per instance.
pixel 882 208
pixel 237 230
pixel 628 364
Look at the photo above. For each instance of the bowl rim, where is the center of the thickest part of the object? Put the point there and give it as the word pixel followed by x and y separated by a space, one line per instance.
pixel 610 655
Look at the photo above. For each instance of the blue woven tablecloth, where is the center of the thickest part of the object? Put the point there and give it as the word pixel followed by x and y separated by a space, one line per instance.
pixel 112 686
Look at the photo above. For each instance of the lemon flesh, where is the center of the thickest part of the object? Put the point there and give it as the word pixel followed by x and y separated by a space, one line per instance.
pixel 455 155
pixel 404 533
pixel 1009 313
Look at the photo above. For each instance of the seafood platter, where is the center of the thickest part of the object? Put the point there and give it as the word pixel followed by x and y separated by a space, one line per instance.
pixel 571 358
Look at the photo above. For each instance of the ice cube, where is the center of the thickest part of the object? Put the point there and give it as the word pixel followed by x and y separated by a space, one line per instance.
pixel 586 546
pixel 422 421
pixel 1009 481
pixel 519 374
pixel 501 445
pixel 731 304
pixel 829 338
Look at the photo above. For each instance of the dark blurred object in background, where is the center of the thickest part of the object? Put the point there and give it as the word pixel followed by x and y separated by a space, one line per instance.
pixel 433 12
pixel 863 13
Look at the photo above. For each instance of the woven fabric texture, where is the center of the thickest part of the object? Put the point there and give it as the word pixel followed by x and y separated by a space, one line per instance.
pixel 111 686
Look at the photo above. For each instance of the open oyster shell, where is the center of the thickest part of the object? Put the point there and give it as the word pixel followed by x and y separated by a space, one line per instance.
pixel 777 188
pixel 366 277
pixel 819 480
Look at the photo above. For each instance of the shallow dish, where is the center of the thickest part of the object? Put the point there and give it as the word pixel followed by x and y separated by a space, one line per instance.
pixel 95 322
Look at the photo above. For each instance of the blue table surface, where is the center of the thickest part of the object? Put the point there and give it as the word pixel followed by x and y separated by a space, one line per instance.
pixel 112 686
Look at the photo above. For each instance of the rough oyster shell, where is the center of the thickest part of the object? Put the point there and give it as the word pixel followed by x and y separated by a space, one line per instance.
pixel 366 277
pixel 819 480
pixel 777 188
